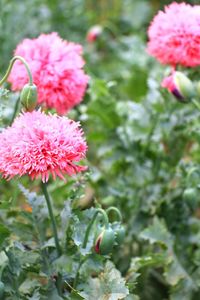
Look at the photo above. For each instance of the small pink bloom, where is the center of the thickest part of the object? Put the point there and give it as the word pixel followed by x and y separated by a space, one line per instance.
pixel 174 35
pixel 93 33
pixel 169 84
pixel 180 86
pixel 39 145
pixel 57 68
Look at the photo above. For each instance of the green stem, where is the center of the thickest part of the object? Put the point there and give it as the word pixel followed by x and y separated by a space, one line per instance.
pixel 106 223
pixel 15 110
pixel 10 68
pixel 2 269
pixel 51 215
pixel 112 208
pixel 77 272
pixel 196 104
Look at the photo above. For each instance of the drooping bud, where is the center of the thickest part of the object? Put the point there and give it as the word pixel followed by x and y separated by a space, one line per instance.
pixel 28 97
pixel 180 86
pixel 93 33
pixel 119 231
pixel 120 234
pixel 105 241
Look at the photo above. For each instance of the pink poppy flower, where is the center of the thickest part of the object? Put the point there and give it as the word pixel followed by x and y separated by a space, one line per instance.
pixel 39 145
pixel 174 35
pixel 57 68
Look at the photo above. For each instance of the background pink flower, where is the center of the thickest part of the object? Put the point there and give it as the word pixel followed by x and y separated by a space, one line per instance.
pixel 38 144
pixel 174 35
pixel 57 71
pixel 93 33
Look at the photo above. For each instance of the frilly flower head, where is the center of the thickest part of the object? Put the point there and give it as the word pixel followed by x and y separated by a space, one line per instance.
pixel 39 145
pixel 56 66
pixel 174 35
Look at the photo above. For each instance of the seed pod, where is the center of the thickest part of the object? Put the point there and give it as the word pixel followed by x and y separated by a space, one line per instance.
pixel 105 241
pixel 28 97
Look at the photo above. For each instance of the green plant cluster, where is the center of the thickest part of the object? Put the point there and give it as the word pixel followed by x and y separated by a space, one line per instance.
pixel 143 158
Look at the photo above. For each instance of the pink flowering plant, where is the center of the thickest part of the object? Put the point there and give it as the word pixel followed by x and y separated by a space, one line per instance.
pixel 99 150
pixel 44 146
pixel 57 69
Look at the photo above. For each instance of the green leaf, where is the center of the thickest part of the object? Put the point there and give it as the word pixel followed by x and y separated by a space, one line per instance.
pixel 35 296
pixel 37 203
pixel 3 93
pixel 132 297
pixel 75 296
pixel 28 286
pixel 65 216
pixel 108 286
pixel 4 233
pixel 157 233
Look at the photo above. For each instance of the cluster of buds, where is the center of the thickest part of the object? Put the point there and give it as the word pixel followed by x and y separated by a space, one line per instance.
pixel 108 238
pixel 107 234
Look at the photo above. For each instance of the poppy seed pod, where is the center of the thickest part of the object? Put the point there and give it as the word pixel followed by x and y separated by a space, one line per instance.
pixel 28 97
pixel 180 86
pixel 105 241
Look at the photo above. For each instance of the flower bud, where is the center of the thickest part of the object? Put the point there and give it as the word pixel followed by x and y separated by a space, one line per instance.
pixel 105 241
pixel 93 33
pixel 28 97
pixel 120 234
pixel 180 86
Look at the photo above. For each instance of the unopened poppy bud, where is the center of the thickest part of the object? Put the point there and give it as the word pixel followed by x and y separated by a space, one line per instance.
pixel 105 241
pixel 120 234
pixel 180 86
pixel 93 33
pixel 28 97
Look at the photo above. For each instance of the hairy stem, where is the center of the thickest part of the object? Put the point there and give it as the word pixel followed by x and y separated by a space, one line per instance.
pixel 15 110
pixel 51 215
pixel 112 208
pixel 106 222
pixel 10 68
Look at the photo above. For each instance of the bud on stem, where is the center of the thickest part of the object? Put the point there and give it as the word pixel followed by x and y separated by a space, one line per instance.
pixel 28 97
pixel 180 86
pixel 105 241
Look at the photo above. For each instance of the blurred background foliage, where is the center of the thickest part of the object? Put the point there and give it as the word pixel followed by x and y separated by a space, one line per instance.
pixel 143 145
